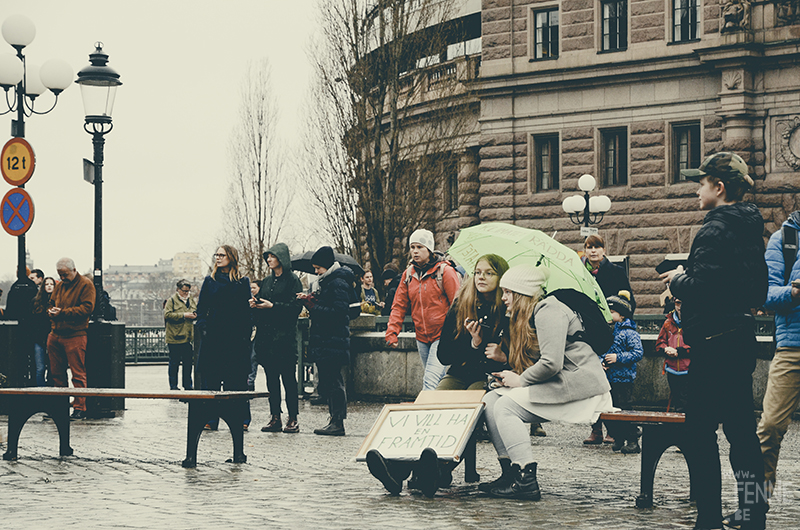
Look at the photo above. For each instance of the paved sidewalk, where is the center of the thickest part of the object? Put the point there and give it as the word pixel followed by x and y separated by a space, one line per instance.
pixel 126 473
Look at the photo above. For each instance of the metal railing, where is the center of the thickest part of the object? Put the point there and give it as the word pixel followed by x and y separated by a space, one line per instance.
pixel 145 344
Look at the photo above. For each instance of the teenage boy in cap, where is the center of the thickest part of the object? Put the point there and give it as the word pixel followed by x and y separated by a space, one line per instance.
pixel 725 277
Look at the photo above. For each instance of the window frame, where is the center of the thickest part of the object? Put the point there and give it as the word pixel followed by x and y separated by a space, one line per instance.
pixel 534 32
pixel 677 25
pixel 621 162
pixel 553 142
pixel 622 29
pixel 695 151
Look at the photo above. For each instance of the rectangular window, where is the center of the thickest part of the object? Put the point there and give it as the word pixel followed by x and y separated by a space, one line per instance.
pixel 684 20
pixel 685 148
pixel 450 181
pixel 615 157
pixel 615 24
pixel 545 37
pixel 546 149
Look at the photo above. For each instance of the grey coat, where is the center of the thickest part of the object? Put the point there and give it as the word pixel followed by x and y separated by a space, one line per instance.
pixel 566 371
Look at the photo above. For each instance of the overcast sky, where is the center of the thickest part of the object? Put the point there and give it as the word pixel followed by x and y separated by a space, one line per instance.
pixel 164 179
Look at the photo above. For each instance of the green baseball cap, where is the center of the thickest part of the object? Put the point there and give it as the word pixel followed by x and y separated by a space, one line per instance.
pixel 726 166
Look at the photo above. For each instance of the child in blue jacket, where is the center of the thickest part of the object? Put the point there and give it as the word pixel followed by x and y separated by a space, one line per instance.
pixel 620 365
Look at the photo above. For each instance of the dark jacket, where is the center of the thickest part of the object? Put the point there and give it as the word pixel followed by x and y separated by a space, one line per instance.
pixel 726 274
pixel 612 279
pixel 40 321
pixel 329 337
pixel 276 338
pixel 467 363
pixel 224 324
pixel 386 310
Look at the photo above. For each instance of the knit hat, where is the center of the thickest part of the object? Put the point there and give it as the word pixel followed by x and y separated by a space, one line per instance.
pixel 621 303
pixel 323 258
pixel 423 237
pixel 388 274
pixel 524 279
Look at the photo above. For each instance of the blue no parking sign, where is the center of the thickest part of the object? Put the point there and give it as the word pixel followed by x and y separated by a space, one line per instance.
pixel 17 212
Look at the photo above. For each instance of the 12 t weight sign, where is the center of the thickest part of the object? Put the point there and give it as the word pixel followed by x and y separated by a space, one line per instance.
pixel 18 161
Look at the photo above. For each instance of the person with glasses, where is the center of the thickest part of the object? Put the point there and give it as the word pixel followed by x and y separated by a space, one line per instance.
pixel 225 325
pixel 179 314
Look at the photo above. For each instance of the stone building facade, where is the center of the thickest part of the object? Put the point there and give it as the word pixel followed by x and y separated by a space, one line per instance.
pixel 630 91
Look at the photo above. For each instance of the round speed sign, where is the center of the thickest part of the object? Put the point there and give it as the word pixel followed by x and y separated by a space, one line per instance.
pixel 17 161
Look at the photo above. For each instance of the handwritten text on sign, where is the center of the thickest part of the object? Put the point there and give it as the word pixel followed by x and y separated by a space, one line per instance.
pixel 405 433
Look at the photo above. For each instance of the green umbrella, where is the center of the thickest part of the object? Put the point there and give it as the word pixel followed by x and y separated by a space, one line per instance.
pixel 524 245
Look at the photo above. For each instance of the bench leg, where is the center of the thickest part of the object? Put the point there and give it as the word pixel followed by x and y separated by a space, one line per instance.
pixel 470 457
pixel 655 440
pixel 23 407
pixel 233 412
pixel 198 415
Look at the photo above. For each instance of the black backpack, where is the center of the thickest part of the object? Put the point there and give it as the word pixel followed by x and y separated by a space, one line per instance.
pixel 596 333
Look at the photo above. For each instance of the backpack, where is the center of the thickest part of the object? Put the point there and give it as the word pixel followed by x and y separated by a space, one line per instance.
pixel 596 333
pixel 789 245
pixel 438 276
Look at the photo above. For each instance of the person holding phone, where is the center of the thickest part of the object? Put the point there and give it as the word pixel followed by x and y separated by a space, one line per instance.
pixel 179 314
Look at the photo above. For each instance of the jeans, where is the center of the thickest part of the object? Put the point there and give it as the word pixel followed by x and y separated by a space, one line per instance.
pixel 68 351
pixel 621 396
pixel 434 370
pixel 505 421
pixel 780 402
pixel 42 363
pixel 180 354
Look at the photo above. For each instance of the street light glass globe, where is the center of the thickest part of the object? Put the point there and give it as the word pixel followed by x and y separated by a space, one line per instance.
pixel 586 183
pixel 577 203
pixel 33 84
pixel 56 75
pixel 566 206
pixel 11 69
pixel 18 31
pixel 604 203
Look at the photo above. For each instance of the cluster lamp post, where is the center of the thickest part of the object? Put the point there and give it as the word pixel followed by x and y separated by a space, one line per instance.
pixel 23 82
pixel 98 84
pixel 584 210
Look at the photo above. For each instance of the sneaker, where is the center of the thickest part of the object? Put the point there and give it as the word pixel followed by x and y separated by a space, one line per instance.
pixel 245 427
pixel 274 425
pixel 210 427
pixel 78 415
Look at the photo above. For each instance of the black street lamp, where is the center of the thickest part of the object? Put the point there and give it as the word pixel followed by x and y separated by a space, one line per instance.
pixel 99 85
pixel 585 210
pixel 29 82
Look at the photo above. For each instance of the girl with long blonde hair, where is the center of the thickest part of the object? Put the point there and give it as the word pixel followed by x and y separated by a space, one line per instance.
pixel 560 380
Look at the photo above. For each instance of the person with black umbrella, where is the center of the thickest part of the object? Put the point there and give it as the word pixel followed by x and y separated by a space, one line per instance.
pixel 329 339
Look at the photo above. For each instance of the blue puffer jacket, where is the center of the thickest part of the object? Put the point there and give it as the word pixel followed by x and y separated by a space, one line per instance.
pixel 628 347
pixel 779 296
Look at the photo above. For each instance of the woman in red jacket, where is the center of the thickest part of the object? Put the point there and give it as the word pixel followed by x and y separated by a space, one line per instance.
pixel 427 288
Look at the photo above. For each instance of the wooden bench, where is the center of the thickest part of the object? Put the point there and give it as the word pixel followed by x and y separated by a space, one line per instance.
pixel 203 405
pixel 660 430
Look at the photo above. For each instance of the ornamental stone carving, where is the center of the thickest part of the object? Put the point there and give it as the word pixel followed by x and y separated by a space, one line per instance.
pixel 788 134
pixel 732 79
pixel 787 13
pixel 736 16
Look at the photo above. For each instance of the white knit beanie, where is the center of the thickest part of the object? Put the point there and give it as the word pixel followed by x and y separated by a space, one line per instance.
pixel 524 279
pixel 423 237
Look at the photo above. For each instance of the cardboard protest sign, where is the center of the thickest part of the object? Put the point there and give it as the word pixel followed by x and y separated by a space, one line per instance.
pixel 403 430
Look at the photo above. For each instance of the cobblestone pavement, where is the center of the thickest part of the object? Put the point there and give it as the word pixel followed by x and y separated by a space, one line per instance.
pixel 126 473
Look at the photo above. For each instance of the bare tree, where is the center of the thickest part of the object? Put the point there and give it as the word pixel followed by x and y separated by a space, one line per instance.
pixel 392 116
pixel 258 201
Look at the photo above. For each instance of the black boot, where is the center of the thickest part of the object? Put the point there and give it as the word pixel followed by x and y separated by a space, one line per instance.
pixel 333 428
pixel 503 480
pixel 524 487
pixel 427 472
pixel 377 467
